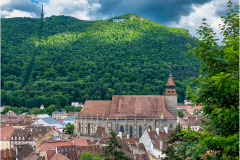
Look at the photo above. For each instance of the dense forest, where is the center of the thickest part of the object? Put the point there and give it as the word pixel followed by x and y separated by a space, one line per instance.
pixel 65 59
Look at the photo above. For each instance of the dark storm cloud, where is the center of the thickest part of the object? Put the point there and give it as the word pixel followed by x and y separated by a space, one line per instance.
pixel 161 11
pixel 23 5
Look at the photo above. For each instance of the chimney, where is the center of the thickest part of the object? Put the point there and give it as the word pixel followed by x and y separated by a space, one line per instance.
pixel 157 130
pixel 161 145
pixel 56 150
pixel 166 130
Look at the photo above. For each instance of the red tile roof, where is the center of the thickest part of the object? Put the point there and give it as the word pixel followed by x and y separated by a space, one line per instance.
pixel 94 108
pixel 6 131
pixel 51 145
pixel 58 156
pixel 131 140
pixel 170 81
pixel 190 107
pixel 139 106
pixel 8 154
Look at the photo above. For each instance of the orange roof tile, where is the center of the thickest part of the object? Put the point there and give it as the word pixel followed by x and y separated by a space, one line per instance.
pixel 51 145
pixel 6 131
pixel 58 156
pixel 170 81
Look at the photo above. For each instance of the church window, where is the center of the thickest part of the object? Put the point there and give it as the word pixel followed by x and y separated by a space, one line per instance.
pixel 131 132
pixel 150 127
pixel 140 131
pixel 122 129
pixel 88 128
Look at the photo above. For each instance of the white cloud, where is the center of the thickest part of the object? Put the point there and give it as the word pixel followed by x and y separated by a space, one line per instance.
pixel 194 20
pixel 17 13
pixel 75 8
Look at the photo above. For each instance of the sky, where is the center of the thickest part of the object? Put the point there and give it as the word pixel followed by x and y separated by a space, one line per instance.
pixel 187 14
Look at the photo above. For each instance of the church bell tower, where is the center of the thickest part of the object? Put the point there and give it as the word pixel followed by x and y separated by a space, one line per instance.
pixel 171 96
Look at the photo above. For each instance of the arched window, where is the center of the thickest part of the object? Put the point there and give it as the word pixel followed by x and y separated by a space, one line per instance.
pixel 140 131
pixel 122 129
pixel 131 132
pixel 150 127
pixel 89 129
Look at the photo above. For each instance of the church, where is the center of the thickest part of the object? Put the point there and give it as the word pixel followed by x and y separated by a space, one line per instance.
pixel 129 114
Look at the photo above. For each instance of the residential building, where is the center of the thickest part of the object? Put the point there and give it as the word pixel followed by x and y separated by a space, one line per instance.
pixel 69 119
pixel 49 122
pixel 153 141
pixel 57 115
pixel 6 132
pixel 77 104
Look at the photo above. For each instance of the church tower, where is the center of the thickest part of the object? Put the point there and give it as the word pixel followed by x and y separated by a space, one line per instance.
pixel 171 96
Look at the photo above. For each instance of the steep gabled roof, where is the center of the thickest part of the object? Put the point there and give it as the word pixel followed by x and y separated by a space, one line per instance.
pixel 144 106
pixel 94 108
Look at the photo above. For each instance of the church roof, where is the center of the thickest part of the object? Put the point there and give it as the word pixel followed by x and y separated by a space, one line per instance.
pixel 170 81
pixel 128 106
pixel 95 107
pixel 144 106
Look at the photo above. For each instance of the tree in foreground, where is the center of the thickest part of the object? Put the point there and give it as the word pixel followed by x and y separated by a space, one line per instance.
pixel 90 156
pixel 218 90
pixel 112 151
pixel 69 128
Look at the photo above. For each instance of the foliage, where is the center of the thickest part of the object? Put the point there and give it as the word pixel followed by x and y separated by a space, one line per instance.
pixel 112 150
pixel 90 156
pixel 180 114
pixel 65 59
pixel 78 109
pixel 69 108
pixel 218 90
pixel 69 128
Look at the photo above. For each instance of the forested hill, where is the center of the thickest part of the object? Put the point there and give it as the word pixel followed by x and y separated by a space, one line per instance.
pixel 65 59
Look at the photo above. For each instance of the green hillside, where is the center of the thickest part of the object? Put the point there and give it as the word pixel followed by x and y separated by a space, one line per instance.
pixel 65 59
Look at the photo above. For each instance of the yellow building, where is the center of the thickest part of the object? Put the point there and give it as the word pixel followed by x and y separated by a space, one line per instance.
pixel 6 133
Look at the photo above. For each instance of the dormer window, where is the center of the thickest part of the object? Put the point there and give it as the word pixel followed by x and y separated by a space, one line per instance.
pixel 23 138
pixel 5 138
pixel 19 138
pixel 15 138
pixel 11 138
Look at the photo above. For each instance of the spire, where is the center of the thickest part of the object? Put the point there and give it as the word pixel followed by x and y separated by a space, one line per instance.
pixel 170 86
pixel 170 72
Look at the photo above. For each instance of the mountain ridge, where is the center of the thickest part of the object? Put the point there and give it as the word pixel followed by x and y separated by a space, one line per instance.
pixel 76 60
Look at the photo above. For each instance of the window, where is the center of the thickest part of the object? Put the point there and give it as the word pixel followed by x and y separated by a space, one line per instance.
pixel 61 150
pixel 172 91
pixel 11 144
pixel 2 144
pixel 73 149
pixel 70 149
pixel 23 138
pixel 11 138
pixel 66 149
pixel 7 144
pixel 168 91
pixel 170 125
pixel 153 141
pixel 122 129
pixel 15 138
pixel 19 138
pixel 5 138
